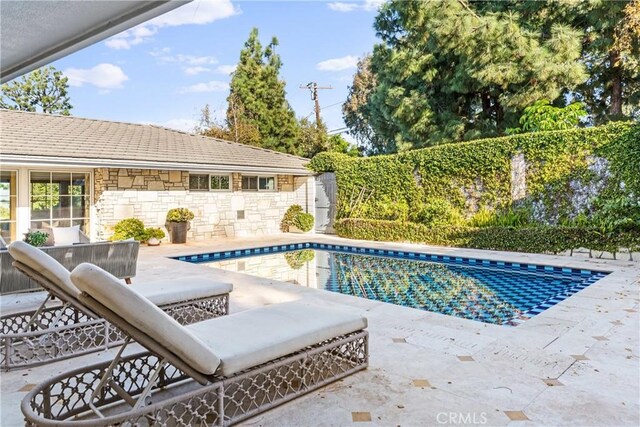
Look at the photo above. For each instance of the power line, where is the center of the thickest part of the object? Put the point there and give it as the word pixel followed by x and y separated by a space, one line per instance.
pixel 313 88
pixel 323 108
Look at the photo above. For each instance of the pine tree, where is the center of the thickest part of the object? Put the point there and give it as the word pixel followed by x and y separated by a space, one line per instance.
pixel 42 90
pixel 257 99
pixel 445 72
pixel 610 48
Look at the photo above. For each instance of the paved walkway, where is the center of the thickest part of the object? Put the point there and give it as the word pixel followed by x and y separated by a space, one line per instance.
pixel 577 363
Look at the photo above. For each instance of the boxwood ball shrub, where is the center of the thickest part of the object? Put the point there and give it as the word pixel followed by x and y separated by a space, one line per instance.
pixel 129 228
pixel 289 215
pixel 304 221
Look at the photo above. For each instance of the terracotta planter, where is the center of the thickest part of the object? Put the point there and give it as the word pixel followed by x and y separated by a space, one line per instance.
pixel 178 232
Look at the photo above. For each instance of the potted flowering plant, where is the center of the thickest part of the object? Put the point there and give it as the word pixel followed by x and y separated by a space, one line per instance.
pixel 178 224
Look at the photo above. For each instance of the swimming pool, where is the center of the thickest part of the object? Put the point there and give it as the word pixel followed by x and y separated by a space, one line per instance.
pixel 497 292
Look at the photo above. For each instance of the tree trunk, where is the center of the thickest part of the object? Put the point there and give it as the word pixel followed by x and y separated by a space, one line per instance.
pixel 499 116
pixel 616 84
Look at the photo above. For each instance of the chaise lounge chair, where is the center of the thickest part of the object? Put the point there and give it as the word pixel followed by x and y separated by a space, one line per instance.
pixel 69 329
pixel 216 372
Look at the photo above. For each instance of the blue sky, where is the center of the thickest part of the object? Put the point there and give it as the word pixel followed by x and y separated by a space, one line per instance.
pixel 166 70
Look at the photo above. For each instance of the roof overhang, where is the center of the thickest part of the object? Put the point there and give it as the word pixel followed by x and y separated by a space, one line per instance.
pixel 35 33
pixel 43 161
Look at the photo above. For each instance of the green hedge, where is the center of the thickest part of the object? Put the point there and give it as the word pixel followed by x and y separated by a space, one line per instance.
pixel 530 239
pixel 477 174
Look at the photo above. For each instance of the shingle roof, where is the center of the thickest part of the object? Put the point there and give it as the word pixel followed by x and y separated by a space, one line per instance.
pixel 39 135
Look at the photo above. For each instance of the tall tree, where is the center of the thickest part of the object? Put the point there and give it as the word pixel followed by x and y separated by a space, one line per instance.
pixel 354 110
pixel 610 48
pixel 43 90
pixel 258 98
pixel 446 72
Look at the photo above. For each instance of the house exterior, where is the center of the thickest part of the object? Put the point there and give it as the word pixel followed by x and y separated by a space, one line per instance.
pixel 61 171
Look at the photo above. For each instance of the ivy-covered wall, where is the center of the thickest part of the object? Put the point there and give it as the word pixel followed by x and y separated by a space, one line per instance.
pixel 567 174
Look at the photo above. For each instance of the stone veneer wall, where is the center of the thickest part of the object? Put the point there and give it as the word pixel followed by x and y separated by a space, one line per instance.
pixel 147 194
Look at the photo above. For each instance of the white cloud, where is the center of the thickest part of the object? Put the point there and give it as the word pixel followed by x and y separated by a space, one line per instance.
pixel 191 64
pixel 367 5
pixel 212 86
pixel 192 71
pixel 338 64
pixel 225 69
pixel 199 12
pixel 132 37
pixel 103 76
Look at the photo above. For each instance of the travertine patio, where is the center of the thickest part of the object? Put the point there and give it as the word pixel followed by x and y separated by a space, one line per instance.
pixel 577 363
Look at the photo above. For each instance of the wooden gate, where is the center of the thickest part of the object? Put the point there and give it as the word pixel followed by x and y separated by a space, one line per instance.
pixel 326 191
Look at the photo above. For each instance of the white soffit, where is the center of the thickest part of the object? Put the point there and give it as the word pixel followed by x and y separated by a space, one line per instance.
pixel 34 33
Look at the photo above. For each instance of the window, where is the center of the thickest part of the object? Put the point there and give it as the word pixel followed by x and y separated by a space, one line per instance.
pixel 220 182
pixel 199 182
pixel 259 183
pixel 60 199
pixel 8 205
pixel 206 182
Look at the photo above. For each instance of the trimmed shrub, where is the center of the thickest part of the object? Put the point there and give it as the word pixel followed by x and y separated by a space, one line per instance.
pixel 129 228
pixel 289 216
pixel 304 221
pixel 527 239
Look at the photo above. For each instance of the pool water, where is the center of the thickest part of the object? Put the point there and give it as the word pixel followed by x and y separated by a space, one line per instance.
pixel 494 292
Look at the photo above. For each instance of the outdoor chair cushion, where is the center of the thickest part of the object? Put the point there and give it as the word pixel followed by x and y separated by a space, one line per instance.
pixel 160 293
pixel 137 310
pixel 44 264
pixel 184 289
pixel 231 343
pixel 63 236
pixel 250 338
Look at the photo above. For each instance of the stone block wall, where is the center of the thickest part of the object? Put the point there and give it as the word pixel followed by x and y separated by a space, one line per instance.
pixel 149 194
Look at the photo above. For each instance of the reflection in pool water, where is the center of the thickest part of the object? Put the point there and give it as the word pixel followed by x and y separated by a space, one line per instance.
pixel 479 293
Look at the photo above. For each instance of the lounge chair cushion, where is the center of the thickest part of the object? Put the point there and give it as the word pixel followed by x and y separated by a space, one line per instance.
pixel 184 289
pixel 250 338
pixel 141 313
pixel 44 264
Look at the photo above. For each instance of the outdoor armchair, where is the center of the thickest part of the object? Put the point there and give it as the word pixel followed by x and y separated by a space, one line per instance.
pixel 68 329
pixel 217 372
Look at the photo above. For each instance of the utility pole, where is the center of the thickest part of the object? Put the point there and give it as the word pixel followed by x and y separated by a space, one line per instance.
pixel 313 88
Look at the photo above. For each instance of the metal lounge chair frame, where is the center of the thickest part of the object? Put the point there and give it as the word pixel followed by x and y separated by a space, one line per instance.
pixel 69 329
pixel 159 388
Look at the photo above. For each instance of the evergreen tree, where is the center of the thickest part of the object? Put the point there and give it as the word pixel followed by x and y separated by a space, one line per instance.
pixel 354 110
pixel 610 48
pixel 257 98
pixel 42 90
pixel 445 72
